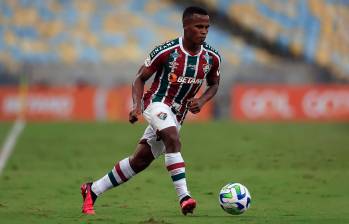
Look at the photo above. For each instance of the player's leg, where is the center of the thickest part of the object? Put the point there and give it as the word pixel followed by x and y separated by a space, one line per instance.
pixel 125 169
pixel 122 171
pixel 162 119
pixel 176 167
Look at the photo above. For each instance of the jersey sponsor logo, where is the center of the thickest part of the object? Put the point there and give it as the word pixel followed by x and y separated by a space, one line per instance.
pixel 189 80
pixel 162 47
pixel 173 65
pixel 172 62
pixel 192 67
pixel 173 78
pixel 162 116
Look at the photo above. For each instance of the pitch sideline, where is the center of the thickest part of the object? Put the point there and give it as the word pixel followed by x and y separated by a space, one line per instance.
pixel 10 142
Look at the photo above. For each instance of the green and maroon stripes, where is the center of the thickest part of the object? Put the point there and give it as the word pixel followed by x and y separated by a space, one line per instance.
pixel 180 75
pixel 160 93
pixel 121 172
pixel 177 171
pixel 189 72
pixel 176 168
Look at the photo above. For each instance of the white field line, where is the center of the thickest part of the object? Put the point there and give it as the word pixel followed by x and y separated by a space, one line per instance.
pixel 10 142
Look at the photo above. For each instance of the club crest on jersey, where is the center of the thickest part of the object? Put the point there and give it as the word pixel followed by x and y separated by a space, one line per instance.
pixel 162 115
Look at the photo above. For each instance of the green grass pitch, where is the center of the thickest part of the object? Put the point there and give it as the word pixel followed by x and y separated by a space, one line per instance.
pixel 296 173
pixel 4 130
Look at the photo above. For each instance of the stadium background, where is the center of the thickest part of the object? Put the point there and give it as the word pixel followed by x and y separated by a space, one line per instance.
pixel 61 47
pixel 285 70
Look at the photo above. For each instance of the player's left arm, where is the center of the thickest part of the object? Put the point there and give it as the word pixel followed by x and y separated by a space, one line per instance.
pixel 195 104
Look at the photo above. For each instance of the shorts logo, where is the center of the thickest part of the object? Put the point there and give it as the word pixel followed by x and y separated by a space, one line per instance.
pixel 162 116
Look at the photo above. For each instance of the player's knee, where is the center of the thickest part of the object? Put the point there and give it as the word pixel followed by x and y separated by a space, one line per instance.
pixel 138 163
pixel 173 144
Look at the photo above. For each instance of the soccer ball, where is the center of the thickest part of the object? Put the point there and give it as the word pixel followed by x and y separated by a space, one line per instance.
pixel 234 198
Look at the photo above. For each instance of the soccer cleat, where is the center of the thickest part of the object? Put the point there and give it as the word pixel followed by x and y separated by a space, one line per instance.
pixel 188 205
pixel 87 206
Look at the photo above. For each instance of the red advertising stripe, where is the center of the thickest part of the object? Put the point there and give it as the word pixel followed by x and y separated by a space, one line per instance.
pixel 48 103
pixel 282 102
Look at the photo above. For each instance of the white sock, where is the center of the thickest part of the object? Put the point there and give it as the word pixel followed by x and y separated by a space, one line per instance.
pixel 120 173
pixel 176 167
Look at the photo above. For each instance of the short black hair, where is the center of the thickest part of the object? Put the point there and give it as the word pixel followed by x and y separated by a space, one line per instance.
pixel 189 11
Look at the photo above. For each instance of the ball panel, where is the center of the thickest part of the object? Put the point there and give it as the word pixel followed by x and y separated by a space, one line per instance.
pixel 234 198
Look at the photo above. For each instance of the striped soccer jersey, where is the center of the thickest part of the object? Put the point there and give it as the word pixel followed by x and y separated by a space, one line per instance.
pixel 179 75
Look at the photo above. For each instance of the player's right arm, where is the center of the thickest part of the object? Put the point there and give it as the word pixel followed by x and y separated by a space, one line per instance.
pixel 144 73
pixel 151 64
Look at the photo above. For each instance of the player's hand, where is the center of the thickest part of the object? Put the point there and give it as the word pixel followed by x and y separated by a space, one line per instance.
pixel 195 105
pixel 133 115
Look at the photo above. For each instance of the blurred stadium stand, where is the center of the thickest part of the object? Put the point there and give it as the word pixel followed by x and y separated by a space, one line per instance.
pixel 103 42
pixel 314 30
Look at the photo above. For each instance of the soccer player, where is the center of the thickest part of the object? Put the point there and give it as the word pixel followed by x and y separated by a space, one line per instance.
pixel 181 66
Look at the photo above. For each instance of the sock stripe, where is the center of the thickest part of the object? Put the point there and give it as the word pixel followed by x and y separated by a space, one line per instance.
pixel 175 166
pixel 178 177
pixel 120 173
pixel 126 168
pixel 112 179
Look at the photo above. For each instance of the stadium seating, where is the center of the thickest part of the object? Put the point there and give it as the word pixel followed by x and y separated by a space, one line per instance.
pixel 314 29
pixel 113 31
pixel 96 31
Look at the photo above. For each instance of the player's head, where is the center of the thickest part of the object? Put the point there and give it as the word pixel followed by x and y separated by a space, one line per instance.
pixel 195 24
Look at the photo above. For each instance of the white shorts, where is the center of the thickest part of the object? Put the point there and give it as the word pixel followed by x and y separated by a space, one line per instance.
pixel 159 117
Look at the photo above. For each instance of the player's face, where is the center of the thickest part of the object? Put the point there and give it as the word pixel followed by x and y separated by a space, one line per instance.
pixel 196 28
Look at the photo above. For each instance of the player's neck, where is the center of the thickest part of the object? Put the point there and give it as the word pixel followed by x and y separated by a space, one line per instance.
pixel 190 47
